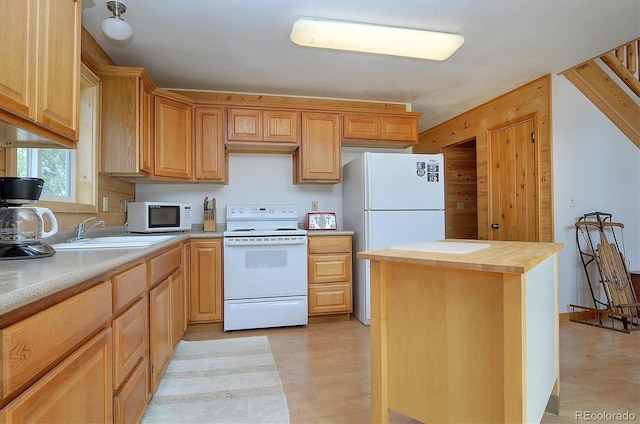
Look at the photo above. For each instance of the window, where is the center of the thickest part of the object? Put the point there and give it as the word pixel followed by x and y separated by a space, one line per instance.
pixel 70 175
pixel 55 167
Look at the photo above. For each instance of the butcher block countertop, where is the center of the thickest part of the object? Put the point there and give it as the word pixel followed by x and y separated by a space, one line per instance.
pixel 492 256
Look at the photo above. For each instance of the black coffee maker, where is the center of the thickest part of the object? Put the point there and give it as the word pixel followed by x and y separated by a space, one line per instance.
pixel 22 227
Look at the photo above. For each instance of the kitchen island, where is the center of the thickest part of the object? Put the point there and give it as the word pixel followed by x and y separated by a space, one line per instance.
pixel 464 331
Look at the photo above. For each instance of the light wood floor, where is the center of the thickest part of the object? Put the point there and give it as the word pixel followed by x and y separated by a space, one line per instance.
pixel 324 369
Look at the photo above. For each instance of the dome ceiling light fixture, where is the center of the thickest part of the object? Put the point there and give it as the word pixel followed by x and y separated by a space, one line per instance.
pixel 114 26
pixel 378 39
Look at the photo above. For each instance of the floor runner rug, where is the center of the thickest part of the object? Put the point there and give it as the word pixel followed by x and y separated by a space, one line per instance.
pixel 220 381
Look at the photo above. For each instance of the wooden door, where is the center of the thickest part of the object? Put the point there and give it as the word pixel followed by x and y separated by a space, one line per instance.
pixel 177 307
pixel 206 281
pixel 59 31
pixel 78 390
pixel 244 125
pixel 318 159
pixel 160 342
pixel 173 146
pixel 18 50
pixel 210 158
pixel 512 183
pixel 281 126
pixel 147 150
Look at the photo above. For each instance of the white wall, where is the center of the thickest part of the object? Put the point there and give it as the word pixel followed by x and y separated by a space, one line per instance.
pixel 599 167
pixel 256 178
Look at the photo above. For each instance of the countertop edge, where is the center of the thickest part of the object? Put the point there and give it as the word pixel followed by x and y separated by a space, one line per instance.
pixel 504 257
pixel 32 291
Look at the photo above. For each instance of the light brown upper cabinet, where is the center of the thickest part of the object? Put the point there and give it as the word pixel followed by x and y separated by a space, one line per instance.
pixel 127 147
pixel 173 143
pixel 319 159
pixel 388 131
pixel 210 160
pixel 263 129
pixel 40 67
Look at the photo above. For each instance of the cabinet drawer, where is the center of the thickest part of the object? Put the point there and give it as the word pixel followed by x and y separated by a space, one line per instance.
pixel 130 340
pixel 329 268
pixel 165 264
pixel 130 404
pixel 78 390
pixel 33 344
pixel 129 285
pixel 329 244
pixel 329 298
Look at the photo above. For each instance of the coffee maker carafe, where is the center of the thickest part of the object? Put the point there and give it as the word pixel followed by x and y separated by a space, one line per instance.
pixel 22 228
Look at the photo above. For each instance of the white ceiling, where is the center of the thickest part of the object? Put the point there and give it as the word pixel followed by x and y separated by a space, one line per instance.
pixel 244 46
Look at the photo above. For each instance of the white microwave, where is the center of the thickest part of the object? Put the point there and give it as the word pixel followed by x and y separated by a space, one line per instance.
pixel 158 217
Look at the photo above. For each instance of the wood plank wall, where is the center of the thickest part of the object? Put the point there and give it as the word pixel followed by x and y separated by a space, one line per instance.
pixel 532 99
pixel 3 162
pixel 461 207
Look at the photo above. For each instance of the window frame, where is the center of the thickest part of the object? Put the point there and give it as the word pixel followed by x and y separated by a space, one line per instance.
pixel 86 157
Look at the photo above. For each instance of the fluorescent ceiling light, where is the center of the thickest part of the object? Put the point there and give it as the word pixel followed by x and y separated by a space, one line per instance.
pixel 359 37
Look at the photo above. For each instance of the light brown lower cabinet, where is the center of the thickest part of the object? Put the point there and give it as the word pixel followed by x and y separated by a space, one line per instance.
pixel 329 272
pixel 78 390
pixel 130 403
pixel 206 281
pixel 130 340
pixel 160 340
pixel 177 308
pixel 99 355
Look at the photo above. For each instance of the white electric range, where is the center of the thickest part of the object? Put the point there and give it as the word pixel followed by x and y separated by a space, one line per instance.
pixel 265 267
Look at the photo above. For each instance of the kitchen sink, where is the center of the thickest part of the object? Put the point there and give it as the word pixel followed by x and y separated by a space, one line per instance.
pixel 113 242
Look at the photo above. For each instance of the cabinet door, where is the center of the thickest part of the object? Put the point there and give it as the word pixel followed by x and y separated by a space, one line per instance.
pixel 281 126
pixel 400 129
pixel 318 159
pixel 40 66
pixel 206 281
pixel 127 118
pixel 130 403
pixel 59 66
pixel 210 158
pixel 363 127
pixel 177 308
pixel 146 127
pixel 244 125
pixel 173 151
pixel 18 51
pixel 32 345
pixel 130 340
pixel 160 342
pixel 78 390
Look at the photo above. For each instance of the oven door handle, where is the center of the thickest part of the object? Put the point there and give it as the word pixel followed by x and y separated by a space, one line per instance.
pixel 264 241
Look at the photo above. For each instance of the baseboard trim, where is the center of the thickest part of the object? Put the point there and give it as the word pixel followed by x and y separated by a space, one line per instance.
pixel 580 315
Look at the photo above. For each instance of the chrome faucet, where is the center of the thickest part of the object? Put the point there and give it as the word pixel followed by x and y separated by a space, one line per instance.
pixel 81 231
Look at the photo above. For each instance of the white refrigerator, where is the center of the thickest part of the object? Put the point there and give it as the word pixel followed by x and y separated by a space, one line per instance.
pixel 390 199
